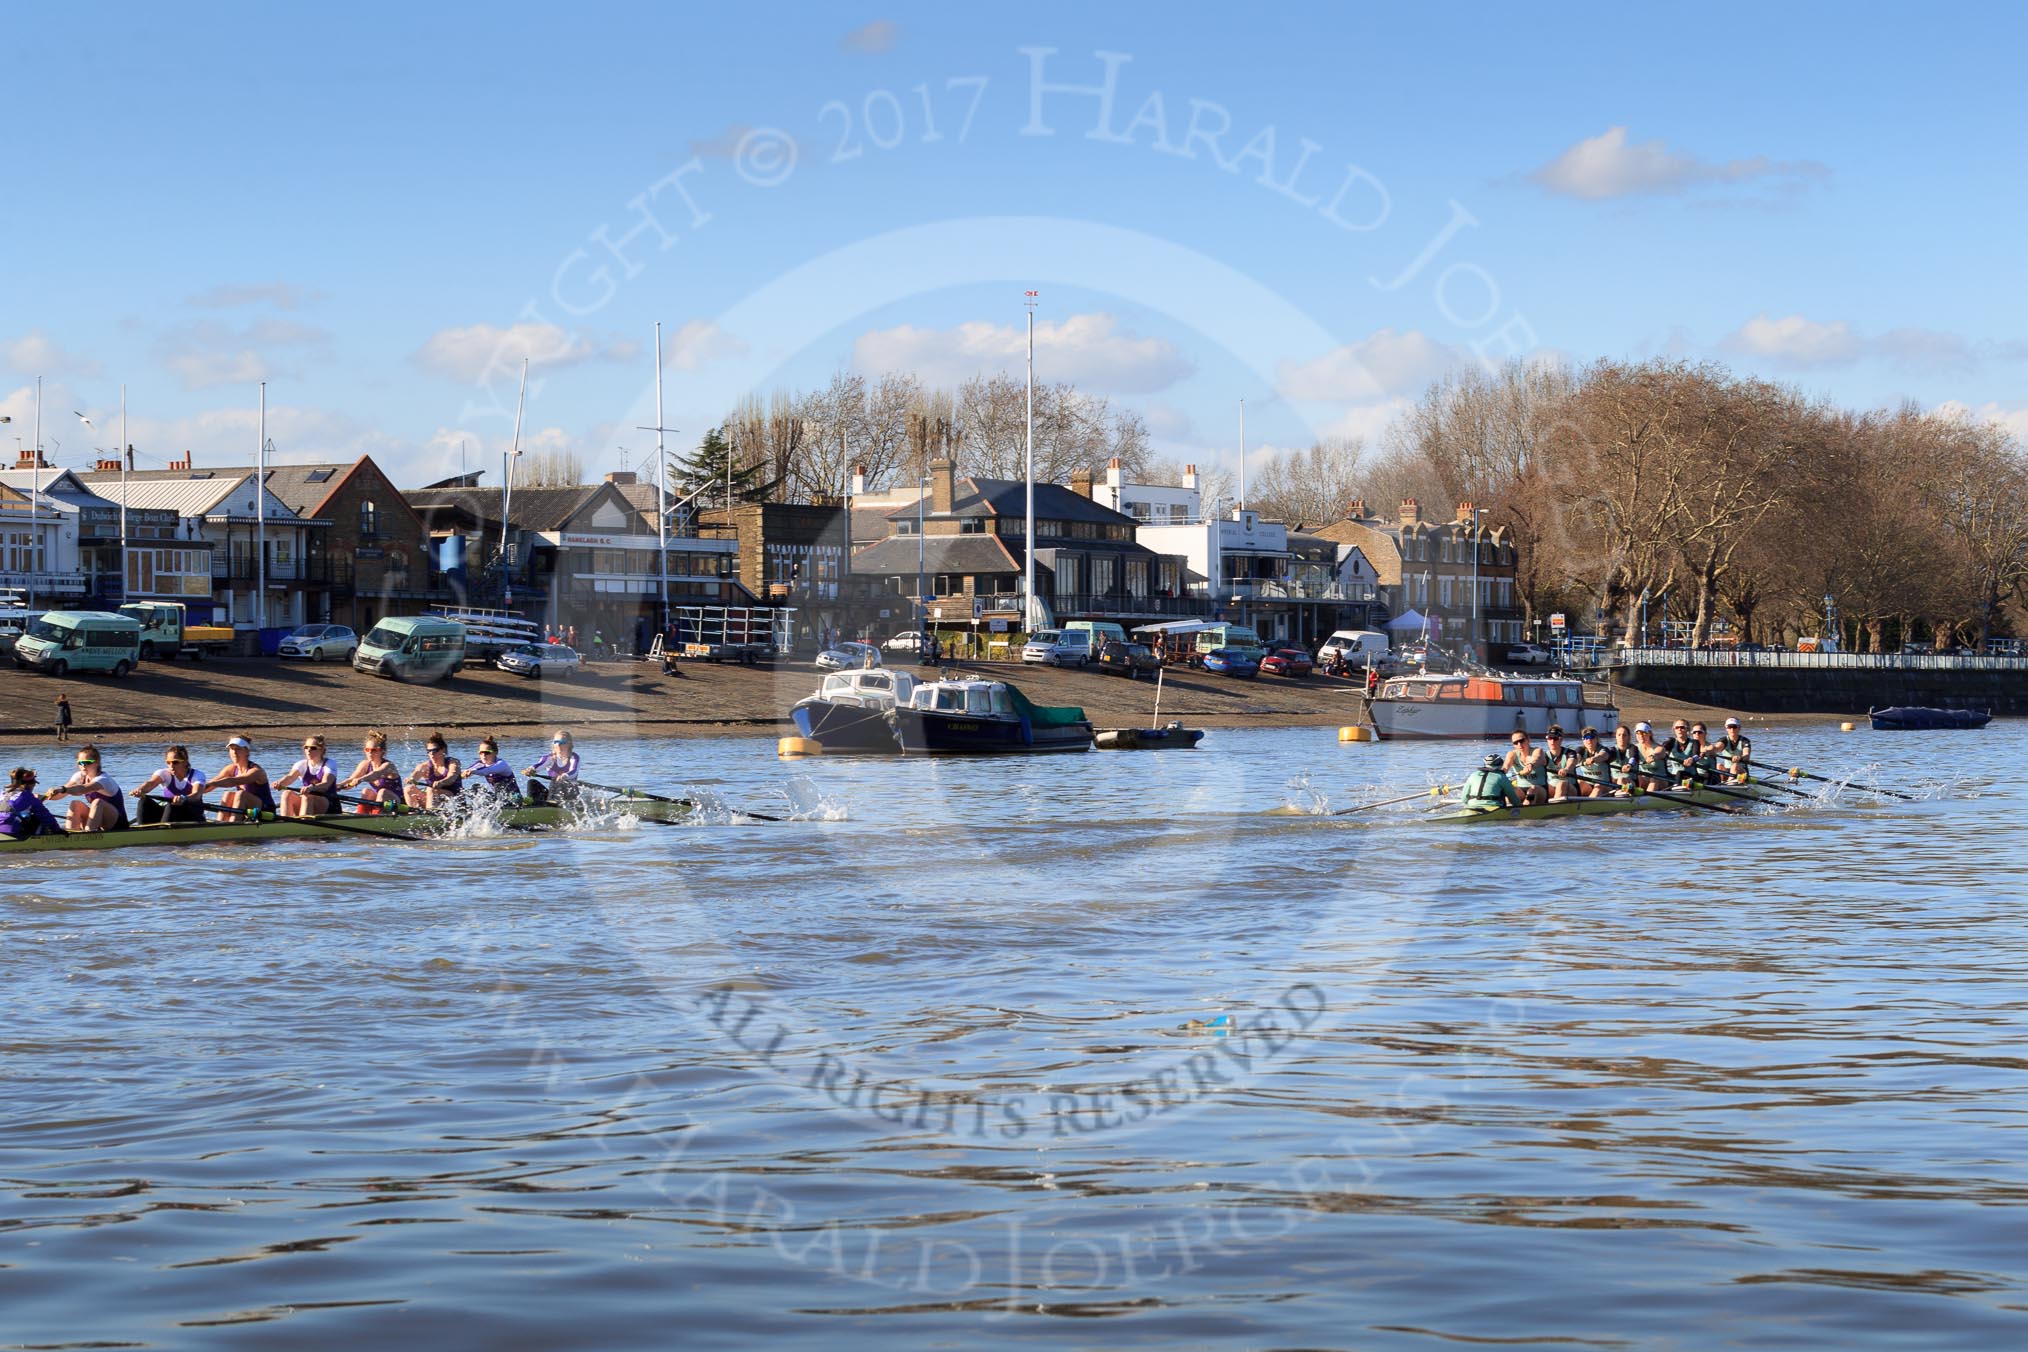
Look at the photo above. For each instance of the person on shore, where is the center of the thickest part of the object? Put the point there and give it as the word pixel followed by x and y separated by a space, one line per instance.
pixel 1560 759
pixel 243 781
pixel 1487 789
pixel 310 788
pixel 1734 753
pixel 437 778
pixel 1651 759
pixel 555 775
pixel 97 802
pixel 22 811
pixel 488 774
pixel 377 778
pixel 1594 764
pixel 174 793
pixel 1527 767
pixel 63 718
pixel 1372 679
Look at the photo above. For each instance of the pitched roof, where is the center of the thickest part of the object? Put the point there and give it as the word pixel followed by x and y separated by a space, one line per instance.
pixel 896 555
pixel 536 509
pixel 1380 547
pixel 1008 497
pixel 186 496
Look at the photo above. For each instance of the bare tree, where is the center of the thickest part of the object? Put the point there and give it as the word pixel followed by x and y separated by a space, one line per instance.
pixel 1310 486
pixel 555 467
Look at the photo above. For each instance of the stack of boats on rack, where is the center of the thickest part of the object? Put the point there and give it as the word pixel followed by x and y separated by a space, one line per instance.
pixel 1492 705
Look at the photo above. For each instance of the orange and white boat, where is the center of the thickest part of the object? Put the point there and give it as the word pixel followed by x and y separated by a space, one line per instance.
pixel 1465 706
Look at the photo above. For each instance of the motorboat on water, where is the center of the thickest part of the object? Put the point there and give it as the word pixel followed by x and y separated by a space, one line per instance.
pixel 854 710
pixel 1909 718
pixel 1463 705
pixel 981 717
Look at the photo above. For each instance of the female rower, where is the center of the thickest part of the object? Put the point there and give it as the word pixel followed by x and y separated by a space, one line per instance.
pixel 1735 753
pixel 310 788
pixel 558 767
pixel 1700 760
pixel 1561 763
pixel 1528 768
pixel 1624 761
pixel 1594 764
pixel 489 773
pixel 1487 789
pixel 174 793
pixel 22 811
pixel 99 805
pixel 1651 759
pixel 436 781
pixel 244 782
pixel 378 778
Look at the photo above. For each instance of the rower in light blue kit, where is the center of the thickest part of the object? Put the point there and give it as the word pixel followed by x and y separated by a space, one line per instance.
pixel 1487 789
pixel 556 773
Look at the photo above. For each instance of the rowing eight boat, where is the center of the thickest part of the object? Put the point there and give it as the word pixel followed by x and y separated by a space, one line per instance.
pixel 292 828
pixel 1679 799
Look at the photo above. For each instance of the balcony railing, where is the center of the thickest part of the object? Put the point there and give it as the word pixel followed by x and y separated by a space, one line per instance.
pixel 1269 589
pixel 1727 657
pixel 44 584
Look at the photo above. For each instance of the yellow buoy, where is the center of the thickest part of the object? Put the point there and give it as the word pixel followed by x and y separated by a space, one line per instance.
pixel 1847 727
pixel 1356 733
pixel 790 747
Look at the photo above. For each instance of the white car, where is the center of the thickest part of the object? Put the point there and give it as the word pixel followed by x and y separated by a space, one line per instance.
pixel 1041 646
pixel 1530 653
pixel 908 641
pixel 319 641
pixel 848 657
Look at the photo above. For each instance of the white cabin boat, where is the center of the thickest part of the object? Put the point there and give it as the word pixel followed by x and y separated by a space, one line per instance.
pixel 1465 706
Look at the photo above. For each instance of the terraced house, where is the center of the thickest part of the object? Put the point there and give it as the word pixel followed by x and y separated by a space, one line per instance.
pixel 1427 569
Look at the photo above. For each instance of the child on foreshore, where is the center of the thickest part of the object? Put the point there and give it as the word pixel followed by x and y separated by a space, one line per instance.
pixel 63 718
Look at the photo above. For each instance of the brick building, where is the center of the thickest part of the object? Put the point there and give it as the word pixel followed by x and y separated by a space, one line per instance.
pixel 1428 567
pixel 374 551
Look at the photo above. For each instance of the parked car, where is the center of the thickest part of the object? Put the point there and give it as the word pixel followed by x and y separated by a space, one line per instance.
pixel 319 641
pixel 1073 649
pixel 1130 660
pixel 1527 652
pixel 1356 644
pixel 1238 662
pixel 1041 645
pixel 907 641
pixel 848 656
pixel 540 660
pixel 1287 662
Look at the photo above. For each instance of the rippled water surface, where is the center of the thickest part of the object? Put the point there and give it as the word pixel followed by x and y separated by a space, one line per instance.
pixel 1095 1051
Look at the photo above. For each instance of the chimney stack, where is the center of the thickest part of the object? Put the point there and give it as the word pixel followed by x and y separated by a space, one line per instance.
pixel 943 472
pixel 1357 511
pixel 184 463
pixel 1190 477
pixel 106 466
pixel 622 477
pixel 1411 511
pixel 858 481
pixel 1080 482
pixel 1465 510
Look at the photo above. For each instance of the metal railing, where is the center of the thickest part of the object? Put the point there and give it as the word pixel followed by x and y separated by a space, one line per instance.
pixel 44 584
pixel 1726 657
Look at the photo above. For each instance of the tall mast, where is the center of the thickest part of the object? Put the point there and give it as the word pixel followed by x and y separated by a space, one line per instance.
pixel 661 484
pixel 507 492
pixel 261 519
pixel 1242 455
pixel 1031 614
pixel 126 453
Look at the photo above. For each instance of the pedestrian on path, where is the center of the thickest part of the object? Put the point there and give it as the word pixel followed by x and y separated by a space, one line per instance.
pixel 63 718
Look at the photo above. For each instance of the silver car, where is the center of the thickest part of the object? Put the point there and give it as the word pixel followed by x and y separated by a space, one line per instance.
pixel 538 660
pixel 319 641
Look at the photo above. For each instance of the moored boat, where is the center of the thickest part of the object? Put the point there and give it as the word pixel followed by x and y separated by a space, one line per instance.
pixel 390 826
pixel 980 717
pixel 852 711
pixel 1174 737
pixel 1908 718
pixel 1466 706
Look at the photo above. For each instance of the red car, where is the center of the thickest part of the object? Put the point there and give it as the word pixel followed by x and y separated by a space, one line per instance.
pixel 1287 662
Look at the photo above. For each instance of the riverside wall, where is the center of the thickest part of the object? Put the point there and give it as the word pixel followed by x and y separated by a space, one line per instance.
pixel 1830 690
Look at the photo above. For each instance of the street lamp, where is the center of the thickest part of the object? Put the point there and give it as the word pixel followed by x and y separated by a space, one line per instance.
pixel 1477 529
pixel 921 599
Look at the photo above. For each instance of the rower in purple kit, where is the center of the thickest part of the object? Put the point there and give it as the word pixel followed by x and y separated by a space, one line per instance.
pixel 174 793
pixel 22 811
pixel 243 782
pixel 378 778
pixel 555 775
pixel 434 782
pixel 310 788
pixel 488 773
pixel 99 805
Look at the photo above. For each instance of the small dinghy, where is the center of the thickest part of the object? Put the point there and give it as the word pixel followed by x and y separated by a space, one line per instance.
pixel 1175 737
pixel 1912 719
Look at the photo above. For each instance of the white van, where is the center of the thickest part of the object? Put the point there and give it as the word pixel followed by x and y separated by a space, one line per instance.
pixel 1100 631
pixel 1356 645
pixel 418 648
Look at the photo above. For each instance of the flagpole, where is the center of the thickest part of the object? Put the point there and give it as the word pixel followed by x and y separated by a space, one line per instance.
pixel 1030 612
pixel 261 521
pixel 35 499
pixel 126 450
pixel 1242 455
pixel 661 485
pixel 507 493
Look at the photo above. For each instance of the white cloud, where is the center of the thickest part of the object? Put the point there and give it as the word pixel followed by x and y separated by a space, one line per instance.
pixel 208 353
pixel 1169 422
pixel 2013 417
pixel 722 146
pixel 1087 350
pixel 1383 363
pixel 35 353
pixel 698 343
pixel 226 295
pixel 1365 422
pixel 1799 342
pixel 484 352
pixel 1608 166
pixel 873 38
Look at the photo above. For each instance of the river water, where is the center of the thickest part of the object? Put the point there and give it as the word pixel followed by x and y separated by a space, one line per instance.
pixel 1084 1051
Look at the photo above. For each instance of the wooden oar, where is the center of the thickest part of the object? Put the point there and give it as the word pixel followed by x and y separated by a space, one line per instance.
pixel 325 823
pixel 1846 784
pixel 1433 791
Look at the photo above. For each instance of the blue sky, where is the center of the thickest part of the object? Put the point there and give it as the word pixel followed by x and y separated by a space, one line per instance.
pixel 380 208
